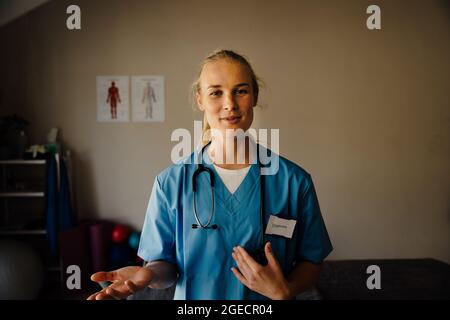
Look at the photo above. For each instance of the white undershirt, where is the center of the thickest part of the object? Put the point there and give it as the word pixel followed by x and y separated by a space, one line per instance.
pixel 232 178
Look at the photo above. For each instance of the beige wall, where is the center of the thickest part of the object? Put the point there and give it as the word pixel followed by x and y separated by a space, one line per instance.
pixel 365 112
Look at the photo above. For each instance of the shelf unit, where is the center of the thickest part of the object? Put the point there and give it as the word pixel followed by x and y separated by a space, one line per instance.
pixel 19 194
pixel 22 161
pixel 22 194
pixel 23 232
pixel 23 202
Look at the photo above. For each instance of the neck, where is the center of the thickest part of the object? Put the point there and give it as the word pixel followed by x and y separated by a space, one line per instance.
pixel 230 153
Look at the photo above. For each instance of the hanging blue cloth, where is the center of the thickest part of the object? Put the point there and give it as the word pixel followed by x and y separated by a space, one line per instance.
pixel 59 207
pixel 52 205
pixel 66 216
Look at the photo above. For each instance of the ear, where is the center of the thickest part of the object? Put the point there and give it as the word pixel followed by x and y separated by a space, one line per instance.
pixel 198 98
pixel 254 98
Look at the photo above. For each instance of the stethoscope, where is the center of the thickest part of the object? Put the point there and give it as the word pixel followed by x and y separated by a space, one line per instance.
pixel 259 253
pixel 200 168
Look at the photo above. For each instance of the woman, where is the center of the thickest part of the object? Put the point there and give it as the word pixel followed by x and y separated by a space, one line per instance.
pixel 215 243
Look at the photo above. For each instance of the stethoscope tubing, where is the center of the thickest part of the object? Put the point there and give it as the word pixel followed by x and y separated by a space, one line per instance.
pixel 201 168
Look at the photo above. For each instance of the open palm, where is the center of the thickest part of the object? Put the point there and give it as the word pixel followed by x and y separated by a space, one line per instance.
pixel 125 281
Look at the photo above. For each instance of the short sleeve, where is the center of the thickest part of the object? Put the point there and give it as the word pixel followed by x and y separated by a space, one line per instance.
pixel 158 233
pixel 315 244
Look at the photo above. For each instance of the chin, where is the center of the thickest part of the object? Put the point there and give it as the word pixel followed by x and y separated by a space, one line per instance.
pixel 233 128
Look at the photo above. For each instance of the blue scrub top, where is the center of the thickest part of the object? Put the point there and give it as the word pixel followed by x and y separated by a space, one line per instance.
pixel 203 257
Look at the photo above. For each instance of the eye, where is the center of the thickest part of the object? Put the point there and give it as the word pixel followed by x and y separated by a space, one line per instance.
pixel 242 91
pixel 216 93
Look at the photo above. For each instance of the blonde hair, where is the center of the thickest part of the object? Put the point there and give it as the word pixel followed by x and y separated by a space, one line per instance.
pixel 215 56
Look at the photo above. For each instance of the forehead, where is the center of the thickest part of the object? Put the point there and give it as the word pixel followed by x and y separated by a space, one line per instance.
pixel 224 72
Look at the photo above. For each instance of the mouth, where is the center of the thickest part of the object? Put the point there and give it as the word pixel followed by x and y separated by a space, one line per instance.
pixel 231 119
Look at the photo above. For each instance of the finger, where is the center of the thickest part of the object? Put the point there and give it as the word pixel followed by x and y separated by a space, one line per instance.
pixel 120 290
pixel 242 265
pixel 92 296
pixel 115 294
pixel 269 255
pixel 105 276
pixel 239 276
pixel 248 259
pixel 102 296
pixel 131 286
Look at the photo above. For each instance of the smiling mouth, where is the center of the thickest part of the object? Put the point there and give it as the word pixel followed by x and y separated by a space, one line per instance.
pixel 232 118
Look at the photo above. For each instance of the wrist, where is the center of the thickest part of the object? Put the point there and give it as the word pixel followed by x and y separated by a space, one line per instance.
pixel 285 292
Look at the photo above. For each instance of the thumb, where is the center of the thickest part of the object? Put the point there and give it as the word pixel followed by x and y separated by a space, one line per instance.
pixel 132 286
pixel 269 254
pixel 104 276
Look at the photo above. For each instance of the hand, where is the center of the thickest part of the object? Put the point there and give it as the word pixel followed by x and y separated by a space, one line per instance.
pixel 267 280
pixel 125 281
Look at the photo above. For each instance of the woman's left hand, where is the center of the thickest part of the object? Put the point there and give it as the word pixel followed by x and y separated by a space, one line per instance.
pixel 266 280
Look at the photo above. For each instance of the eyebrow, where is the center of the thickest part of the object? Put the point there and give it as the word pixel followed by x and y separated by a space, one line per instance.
pixel 238 85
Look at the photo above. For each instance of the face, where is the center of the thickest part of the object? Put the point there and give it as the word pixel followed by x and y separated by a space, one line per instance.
pixel 226 95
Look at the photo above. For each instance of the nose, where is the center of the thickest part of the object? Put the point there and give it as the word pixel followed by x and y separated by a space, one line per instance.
pixel 229 102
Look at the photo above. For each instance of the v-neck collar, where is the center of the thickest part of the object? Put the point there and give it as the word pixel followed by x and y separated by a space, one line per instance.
pixel 232 201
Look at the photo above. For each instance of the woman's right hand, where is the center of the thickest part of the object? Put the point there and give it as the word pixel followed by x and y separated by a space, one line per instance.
pixel 125 281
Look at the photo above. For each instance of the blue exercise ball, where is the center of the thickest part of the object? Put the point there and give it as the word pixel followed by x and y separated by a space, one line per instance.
pixel 133 240
pixel 21 271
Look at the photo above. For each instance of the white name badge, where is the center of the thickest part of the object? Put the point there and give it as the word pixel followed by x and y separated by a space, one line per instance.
pixel 280 227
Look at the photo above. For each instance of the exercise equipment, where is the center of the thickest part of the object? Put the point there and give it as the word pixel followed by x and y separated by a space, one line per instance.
pixel 21 271
pixel 133 240
pixel 120 233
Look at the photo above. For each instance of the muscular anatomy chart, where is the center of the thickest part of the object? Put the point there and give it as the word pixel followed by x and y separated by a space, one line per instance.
pixel 112 99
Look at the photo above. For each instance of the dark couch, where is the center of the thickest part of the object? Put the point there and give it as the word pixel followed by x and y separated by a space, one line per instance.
pixel 346 279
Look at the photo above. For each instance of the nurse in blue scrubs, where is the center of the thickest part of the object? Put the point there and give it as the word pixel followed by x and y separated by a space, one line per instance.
pixel 253 236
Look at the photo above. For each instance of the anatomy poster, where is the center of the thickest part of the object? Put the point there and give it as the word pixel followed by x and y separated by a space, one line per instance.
pixel 148 98
pixel 113 99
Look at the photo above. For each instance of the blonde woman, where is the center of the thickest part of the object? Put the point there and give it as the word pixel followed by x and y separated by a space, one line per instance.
pixel 222 229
